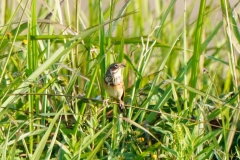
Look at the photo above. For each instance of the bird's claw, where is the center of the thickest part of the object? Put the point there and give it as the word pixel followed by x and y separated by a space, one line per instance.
pixel 105 102
pixel 121 106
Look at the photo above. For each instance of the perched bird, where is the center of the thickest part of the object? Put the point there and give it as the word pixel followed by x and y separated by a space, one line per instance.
pixel 114 85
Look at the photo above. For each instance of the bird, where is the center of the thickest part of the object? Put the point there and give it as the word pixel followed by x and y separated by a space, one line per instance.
pixel 114 84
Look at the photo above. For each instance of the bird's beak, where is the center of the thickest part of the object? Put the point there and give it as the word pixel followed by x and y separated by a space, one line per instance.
pixel 122 65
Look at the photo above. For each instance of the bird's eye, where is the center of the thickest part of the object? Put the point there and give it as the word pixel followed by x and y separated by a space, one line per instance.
pixel 116 66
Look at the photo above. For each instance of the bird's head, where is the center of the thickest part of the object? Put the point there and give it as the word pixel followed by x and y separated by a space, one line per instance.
pixel 115 68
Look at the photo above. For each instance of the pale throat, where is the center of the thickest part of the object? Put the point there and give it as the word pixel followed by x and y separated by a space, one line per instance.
pixel 117 77
pixel 117 74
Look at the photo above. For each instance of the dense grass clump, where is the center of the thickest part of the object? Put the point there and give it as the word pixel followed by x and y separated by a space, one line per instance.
pixel 181 79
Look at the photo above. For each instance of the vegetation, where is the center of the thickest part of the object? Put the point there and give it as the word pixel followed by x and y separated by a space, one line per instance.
pixel 181 79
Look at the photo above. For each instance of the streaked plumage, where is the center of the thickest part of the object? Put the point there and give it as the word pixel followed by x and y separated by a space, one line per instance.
pixel 113 83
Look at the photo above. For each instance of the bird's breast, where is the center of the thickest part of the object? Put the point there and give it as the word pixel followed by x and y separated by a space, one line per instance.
pixel 115 90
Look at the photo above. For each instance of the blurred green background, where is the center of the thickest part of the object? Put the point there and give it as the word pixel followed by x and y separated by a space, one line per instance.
pixel 181 79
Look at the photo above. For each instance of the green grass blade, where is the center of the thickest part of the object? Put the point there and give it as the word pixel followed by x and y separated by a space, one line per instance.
pixel 197 50
pixel 38 152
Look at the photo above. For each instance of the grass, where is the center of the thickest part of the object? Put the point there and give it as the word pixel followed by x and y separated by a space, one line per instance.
pixel 181 79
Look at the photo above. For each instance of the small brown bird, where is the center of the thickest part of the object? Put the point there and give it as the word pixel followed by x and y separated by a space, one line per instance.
pixel 114 85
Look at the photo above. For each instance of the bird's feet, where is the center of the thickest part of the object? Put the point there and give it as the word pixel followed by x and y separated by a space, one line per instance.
pixel 121 106
pixel 105 102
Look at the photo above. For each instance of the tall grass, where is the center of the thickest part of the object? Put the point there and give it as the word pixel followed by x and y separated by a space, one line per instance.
pixel 181 79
